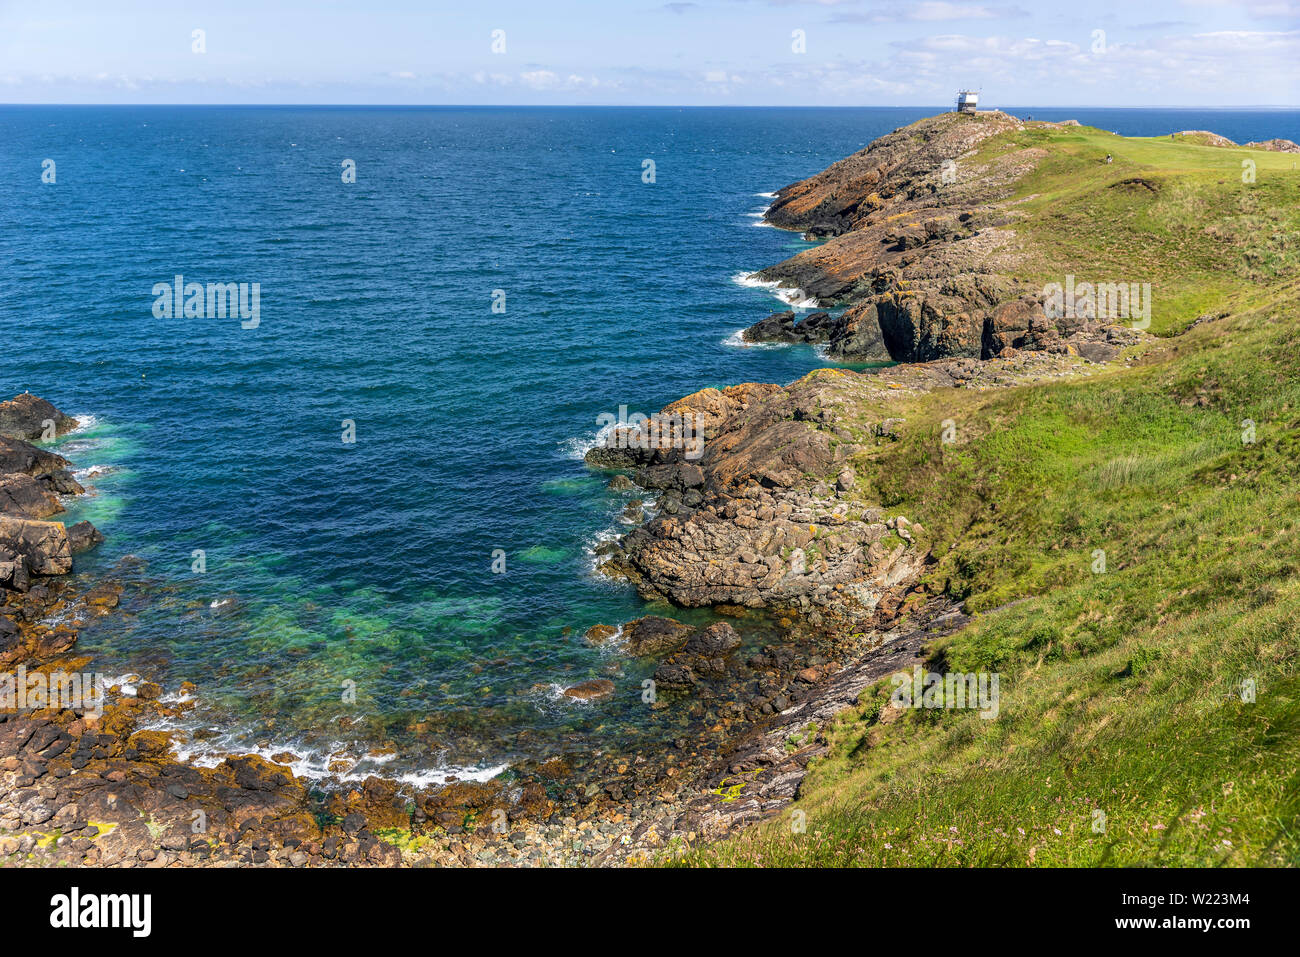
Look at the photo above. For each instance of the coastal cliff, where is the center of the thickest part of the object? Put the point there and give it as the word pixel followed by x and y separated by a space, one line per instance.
pixel 1077 507
pixel 1018 465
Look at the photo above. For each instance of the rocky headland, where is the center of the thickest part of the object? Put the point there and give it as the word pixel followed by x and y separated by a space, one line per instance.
pixel 921 252
pixel 921 270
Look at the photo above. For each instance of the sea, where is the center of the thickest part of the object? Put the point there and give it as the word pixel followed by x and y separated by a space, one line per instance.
pixel 355 516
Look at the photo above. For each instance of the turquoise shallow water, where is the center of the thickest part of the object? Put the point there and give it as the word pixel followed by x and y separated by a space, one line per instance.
pixel 372 562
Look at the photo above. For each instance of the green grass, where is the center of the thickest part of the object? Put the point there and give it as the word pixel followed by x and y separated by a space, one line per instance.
pixel 1120 690
pixel 1170 213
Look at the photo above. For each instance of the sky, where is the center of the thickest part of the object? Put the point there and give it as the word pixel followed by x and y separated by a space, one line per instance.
pixel 646 52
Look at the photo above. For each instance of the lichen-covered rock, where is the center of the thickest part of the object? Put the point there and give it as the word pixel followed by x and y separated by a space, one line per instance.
pixel 44 545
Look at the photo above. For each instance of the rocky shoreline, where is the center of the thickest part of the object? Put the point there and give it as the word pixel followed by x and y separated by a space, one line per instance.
pixel 769 521
pixel 99 787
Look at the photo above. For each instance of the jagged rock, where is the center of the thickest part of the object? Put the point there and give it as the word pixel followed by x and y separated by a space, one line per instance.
pixel 922 248
pixel 778 327
pixel 13 572
pixel 83 536
pixel 44 545
pixel 856 335
pixel 25 458
pixel 705 411
pixel 782 327
pixel 24 417
pixel 756 537
pixel 26 497
pixel 717 639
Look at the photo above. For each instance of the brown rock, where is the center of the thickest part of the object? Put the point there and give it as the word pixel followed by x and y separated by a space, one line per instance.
pixel 591 690
pixel 652 636
pixel 44 545
pixel 24 417
pixel 599 634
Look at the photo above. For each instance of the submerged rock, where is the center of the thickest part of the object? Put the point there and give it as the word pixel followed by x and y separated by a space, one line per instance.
pixel 591 690
pixel 600 634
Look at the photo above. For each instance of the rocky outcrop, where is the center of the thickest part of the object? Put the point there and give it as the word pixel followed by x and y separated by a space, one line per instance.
pixel 1274 146
pixel 31 481
pixel 42 546
pixel 900 171
pixel 761 518
pixel 629 447
pixel 857 337
pixel 28 417
pixel 782 327
pixel 920 245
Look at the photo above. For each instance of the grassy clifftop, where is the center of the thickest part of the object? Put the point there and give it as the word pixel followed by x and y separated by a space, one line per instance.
pixel 968 212
pixel 1128 541
pixel 1205 225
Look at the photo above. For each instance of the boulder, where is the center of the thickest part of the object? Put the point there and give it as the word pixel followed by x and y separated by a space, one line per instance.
pixel 783 327
pixel 778 327
pixel 600 634
pixel 590 690
pixel 44 545
pixel 83 536
pixel 652 636
pixel 717 639
pixel 24 417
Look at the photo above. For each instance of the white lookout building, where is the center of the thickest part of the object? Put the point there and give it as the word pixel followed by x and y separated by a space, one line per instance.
pixel 967 101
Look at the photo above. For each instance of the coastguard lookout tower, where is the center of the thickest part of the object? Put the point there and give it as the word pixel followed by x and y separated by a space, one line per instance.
pixel 967 101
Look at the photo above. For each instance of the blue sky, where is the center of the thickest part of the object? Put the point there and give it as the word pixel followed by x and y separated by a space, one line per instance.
pixel 690 52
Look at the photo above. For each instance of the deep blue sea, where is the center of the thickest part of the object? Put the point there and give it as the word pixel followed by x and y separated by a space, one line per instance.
pixel 334 566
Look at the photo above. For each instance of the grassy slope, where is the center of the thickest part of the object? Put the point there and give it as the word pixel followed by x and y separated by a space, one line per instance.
pixel 1203 239
pixel 1119 690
